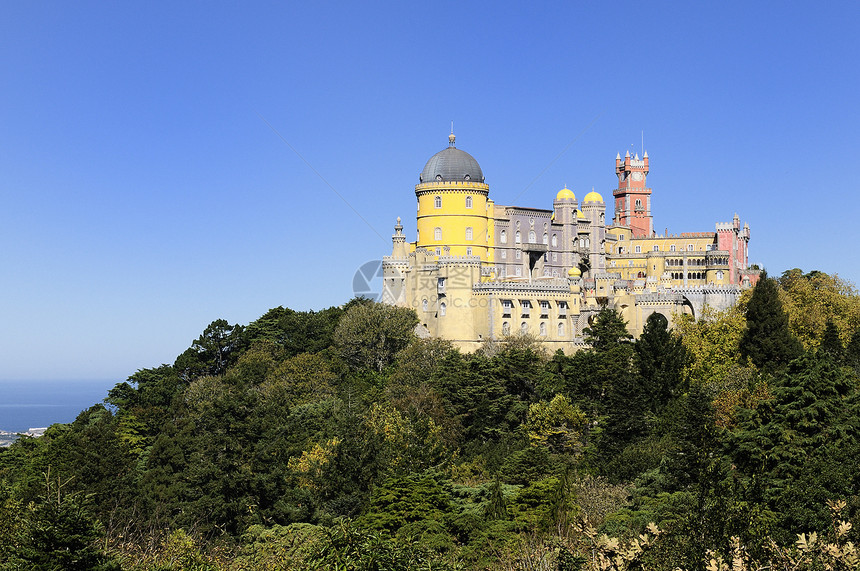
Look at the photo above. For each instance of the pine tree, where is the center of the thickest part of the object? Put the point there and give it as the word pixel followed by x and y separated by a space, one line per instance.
pixel 831 344
pixel 608 330
pixel 660 358
pixel 852 351
pixel 767 341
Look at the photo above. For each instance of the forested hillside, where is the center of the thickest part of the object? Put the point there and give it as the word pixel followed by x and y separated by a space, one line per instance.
pixel 338 440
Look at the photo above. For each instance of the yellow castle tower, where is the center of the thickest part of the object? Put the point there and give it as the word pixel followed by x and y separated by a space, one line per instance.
pixel 454 213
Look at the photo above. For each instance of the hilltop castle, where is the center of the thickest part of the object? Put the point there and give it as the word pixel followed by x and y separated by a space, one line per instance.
pixel 478 270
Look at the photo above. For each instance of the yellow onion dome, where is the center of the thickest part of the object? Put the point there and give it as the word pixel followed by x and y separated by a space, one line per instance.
pixel 592 197
pixel 565 194
pixel 574 273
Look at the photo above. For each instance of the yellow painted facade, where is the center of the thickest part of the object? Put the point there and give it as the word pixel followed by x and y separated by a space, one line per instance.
pixel 454 215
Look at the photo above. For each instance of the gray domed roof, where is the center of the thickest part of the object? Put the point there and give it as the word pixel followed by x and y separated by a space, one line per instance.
pixel 451 164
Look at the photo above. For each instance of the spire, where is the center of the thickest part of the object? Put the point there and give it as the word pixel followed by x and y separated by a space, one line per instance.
pixel 451 136
pixel 617 156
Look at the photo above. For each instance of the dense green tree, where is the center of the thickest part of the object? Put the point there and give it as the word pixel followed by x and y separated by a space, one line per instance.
pixel 57 533
pixel 369 335
pixel 346 546
pixel 296 332
pixel 416 363
pixel 788 449
pixel 556 425
pixel 831 344
pixel 712 343
pixel 216 349
pixel 401 500
pixel 767 341
pixel 481 397
pixel 660 360
pixel 812 299
pixel 302 379
pixel 852 351
pixel 689 424
pixel 608 330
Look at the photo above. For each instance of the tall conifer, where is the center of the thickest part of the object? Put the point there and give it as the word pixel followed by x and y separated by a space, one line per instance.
pixel 767 340
pixel 831 344
pixel 660 358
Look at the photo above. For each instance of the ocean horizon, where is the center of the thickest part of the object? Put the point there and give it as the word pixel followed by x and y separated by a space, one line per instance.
pixel 39 403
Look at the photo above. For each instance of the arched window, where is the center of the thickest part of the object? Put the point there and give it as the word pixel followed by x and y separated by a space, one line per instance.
pixel 689 247
pixel 424 305
pixel 468 232
pixel 442 308
pixel 438 202
pixel 545 239
pixel 672 248
pixel 638 203
pixel 437 233
pixel 532 237
pixel 561 329
pixel 554 240
pixel 469 251
pixel 506 328
pixel 587 243
pixel 504 237
pixel 517 237
pixel 524 327
pixel 719 274
pixel 468 202
pixel 543 329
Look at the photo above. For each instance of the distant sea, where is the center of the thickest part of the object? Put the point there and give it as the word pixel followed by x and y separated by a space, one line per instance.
pixel 34 404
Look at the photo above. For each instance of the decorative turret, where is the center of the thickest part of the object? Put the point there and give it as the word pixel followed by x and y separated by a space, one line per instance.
pixel 632 197
pixel 399 250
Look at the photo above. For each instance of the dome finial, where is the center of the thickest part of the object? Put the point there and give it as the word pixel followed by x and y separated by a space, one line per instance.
pixel 451 136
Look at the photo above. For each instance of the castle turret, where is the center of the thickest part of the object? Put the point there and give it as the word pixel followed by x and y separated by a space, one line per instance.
pixel 399 250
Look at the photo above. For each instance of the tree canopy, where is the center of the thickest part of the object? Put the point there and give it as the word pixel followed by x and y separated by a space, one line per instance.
pixel 338 438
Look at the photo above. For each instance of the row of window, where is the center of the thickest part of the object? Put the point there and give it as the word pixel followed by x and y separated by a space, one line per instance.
pixel 690 262
pixel 468 251
pixel 694 275
pixel 542 328
pixel 503 238
pixel 437 233
pixel 437 202
pixel 526 306
pixel 672 248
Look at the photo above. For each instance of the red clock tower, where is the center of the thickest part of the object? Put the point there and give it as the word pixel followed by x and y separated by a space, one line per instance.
pixel 632 197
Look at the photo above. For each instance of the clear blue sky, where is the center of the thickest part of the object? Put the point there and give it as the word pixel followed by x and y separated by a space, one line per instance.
pixel 144 194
